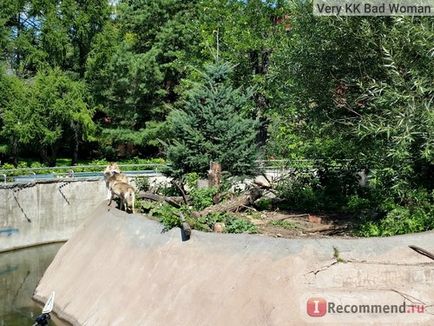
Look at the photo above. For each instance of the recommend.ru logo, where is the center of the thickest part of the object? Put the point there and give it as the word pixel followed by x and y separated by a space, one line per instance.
pixel 318 307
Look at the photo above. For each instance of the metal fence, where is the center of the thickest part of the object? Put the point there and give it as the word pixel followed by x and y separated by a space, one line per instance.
pixel 27 175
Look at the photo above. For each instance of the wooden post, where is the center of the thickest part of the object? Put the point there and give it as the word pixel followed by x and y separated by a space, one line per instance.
pixel 214 174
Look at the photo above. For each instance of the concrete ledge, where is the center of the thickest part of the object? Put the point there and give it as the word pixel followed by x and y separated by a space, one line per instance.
pixel 45 212
pixel 119 269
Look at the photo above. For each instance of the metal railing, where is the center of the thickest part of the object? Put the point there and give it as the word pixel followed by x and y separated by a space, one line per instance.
pixel 25 175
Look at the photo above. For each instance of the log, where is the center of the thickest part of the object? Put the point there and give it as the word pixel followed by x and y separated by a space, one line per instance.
pixel 174 201
pixel 232 205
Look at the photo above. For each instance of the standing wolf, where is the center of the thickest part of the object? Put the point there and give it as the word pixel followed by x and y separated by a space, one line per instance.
pixel 126 194
pixel 117 185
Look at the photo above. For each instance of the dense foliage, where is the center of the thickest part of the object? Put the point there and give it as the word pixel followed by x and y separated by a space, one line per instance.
pixel 364 95
pixel 112 80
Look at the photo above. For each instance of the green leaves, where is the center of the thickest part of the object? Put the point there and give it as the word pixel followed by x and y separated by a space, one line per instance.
pixel 44 111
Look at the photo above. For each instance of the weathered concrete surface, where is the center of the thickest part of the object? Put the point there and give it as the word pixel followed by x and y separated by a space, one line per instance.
pixel 45 212
pixel 119 269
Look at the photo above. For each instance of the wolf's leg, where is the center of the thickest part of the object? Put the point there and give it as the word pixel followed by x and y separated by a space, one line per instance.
pixel 121 203
pixel 132 202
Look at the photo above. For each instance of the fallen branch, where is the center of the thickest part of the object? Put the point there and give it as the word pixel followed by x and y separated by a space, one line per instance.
pixel 173 201
pixel 181 189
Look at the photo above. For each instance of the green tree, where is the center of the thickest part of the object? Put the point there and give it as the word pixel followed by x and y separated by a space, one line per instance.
pixel 136 65
pixel 83 20
pixel 46 113
pixel 246 33
pixel 212 126
pixel 361 88
pixel 15 113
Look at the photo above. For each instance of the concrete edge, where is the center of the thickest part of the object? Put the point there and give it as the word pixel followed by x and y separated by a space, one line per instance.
pixel 33 245
pixel 12 185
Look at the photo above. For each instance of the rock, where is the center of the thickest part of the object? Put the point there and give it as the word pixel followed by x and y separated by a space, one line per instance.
pixel 219 227
pixel 262 182
pixel 202 183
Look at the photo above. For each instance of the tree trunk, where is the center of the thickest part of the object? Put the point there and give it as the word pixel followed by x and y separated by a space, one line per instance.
pixel 14 151
pixel 44 155
pixel 76 143
pixel 214 174
pixel 49 155
pixel 82 56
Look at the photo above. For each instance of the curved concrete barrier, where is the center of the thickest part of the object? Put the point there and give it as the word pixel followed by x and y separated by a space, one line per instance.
pixel 44 212
pixel 119 269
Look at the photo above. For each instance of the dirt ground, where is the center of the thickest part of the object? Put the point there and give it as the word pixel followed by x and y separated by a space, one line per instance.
pixel 284 224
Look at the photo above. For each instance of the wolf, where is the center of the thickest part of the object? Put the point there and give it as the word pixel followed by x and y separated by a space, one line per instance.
pixel 126 194
pixel 112 174
pixel 112 168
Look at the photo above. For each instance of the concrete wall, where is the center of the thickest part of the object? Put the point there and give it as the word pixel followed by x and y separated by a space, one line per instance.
pixel 119 269
pixel 45 212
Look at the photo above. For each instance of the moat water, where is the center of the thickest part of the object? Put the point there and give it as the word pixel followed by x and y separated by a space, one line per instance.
pixel 20 272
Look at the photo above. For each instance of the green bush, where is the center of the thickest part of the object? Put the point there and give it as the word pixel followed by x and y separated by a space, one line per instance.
pixel 240 226
pixel 206 223
pixel 202 198
pixel 418 216
pixel 301 191
pixel 232 223
pixel 4 149
pixel 264 204
pixel 167 215
pixel 283 224
pixel 357 204
pixel 145 206
pixel 7 166
pixel 142 183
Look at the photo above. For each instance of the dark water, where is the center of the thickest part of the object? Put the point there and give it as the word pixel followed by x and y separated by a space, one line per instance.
pixel 20 272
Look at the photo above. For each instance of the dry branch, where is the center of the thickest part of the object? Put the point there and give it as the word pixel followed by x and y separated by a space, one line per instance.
pixel 181 189
pixel 174 201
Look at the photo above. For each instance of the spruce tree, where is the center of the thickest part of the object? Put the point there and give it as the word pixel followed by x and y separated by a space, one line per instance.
pixel 213 125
